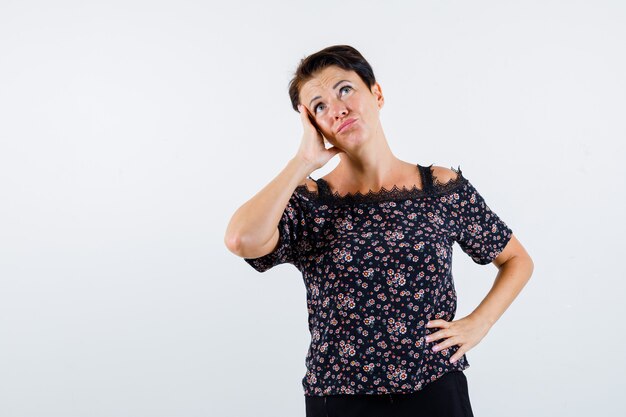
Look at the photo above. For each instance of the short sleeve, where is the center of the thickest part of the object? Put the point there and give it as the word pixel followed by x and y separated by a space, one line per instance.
pixel 479 231
pixel 290 229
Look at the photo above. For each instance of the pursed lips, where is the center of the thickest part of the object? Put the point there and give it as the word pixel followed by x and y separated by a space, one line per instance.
pixel 346 124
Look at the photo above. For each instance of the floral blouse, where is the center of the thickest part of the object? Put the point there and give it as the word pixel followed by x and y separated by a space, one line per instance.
pixel 377 267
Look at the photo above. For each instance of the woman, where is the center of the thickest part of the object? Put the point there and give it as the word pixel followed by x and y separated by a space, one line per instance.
pixel 373 240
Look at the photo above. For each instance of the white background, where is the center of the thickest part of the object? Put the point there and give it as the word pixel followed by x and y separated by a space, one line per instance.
pixel 132 130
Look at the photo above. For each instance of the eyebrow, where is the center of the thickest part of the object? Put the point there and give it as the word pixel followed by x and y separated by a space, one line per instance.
pixel 334 86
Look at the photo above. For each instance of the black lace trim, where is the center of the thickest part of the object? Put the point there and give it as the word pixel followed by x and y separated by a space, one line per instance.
pixel 395 193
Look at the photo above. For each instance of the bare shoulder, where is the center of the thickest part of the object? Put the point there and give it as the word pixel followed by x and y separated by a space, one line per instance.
pixel 443 174
pixel 310 184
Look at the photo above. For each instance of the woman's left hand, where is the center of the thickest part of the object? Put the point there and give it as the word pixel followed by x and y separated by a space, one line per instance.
pixel 465 332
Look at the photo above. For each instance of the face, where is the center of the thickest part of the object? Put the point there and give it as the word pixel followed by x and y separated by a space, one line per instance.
pixel 334 96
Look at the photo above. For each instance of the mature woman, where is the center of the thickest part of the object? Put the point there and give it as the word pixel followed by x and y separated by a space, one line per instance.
pixel 373 240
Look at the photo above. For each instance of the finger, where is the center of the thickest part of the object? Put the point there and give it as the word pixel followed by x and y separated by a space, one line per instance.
pixel 445 345
pixel 439 347
pixel 304 115
pixel 437 323
pixel 443 333
pixel 435 336
pixel 336 150
pixel 457 355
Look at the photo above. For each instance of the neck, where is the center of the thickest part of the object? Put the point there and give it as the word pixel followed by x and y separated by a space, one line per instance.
pixel 370 167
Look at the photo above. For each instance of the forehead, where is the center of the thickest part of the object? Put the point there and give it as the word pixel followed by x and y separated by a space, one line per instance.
pixel 326 79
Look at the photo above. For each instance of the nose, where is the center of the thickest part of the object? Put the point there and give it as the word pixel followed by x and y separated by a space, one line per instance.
pixel 338 109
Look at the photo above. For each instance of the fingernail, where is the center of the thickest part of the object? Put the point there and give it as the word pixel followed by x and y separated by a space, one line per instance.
pixel 427 339
pixel 452 360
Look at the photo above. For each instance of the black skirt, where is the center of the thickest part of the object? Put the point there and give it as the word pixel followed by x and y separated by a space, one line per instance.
pixel 446 397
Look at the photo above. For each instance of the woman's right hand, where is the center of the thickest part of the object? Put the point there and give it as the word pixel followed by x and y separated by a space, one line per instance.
pixel 312 148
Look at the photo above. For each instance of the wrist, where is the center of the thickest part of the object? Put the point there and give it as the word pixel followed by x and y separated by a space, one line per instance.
pixel 303 165
pixel 483 319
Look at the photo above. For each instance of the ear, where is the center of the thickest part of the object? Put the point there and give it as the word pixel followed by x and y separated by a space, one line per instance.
pixel 378 93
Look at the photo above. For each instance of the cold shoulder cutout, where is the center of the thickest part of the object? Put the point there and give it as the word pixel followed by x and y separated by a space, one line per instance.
pixel 443 175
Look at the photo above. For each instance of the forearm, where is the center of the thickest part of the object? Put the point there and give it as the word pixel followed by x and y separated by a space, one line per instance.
pixel 512 277
pixel 255 222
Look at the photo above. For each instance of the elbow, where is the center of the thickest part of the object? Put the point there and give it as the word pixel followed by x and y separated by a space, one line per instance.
pixel 531 267
pixel 233 243
pixel 525 264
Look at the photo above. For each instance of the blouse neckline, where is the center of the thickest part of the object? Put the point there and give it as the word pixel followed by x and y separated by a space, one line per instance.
pixel 430 187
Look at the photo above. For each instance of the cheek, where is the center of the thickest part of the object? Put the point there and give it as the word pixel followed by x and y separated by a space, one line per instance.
pixel 324 124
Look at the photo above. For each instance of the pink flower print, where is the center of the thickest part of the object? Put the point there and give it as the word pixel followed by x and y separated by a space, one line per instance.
pixel 441 251
pixel 315 335
pixel 346 348
pixel 419 295
pixel 474 228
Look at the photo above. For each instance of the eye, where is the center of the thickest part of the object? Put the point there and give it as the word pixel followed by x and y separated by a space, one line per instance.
pixel 345 86
pixel 316 107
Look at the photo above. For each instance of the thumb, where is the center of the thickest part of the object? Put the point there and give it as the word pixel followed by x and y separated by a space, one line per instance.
pixel 335 150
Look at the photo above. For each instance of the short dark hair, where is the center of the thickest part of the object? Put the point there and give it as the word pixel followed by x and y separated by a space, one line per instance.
pixel 343 56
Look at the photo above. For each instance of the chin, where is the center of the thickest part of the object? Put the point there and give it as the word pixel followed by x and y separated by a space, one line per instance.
pixel 352 140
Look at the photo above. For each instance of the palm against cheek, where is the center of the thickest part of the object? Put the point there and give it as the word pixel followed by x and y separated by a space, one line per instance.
pixel 312 147
pixel 323 132
pixel 315 123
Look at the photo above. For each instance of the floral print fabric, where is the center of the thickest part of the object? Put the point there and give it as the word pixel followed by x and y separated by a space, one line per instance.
pixel 377 267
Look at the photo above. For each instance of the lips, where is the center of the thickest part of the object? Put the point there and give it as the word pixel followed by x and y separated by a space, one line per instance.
pixel 345 124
